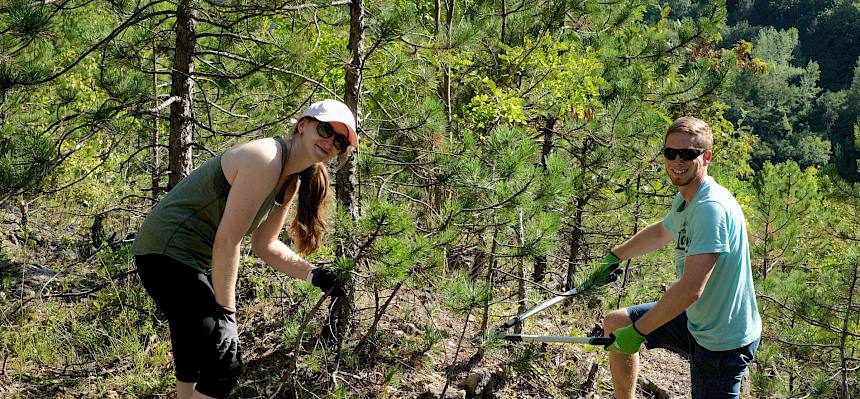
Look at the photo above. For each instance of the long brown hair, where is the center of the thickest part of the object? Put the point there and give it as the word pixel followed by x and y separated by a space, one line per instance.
pixel 307 228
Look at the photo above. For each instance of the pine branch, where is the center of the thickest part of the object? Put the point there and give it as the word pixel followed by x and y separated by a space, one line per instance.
pixel 135 19
pixel 231 35
pixel 282 7
pixel 34 4
pixel 256 66
pixel 157 109
pixel 804 344
pixel 217 132
pixel 803 316
pixel 220 108
pixel 76 294
pixel 503 202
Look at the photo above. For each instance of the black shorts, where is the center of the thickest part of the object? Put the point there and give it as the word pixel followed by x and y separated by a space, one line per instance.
pixel 713 374
pixel 204 337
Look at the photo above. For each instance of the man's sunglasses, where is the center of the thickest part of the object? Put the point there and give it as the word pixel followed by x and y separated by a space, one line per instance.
pixel 326 130
pixel 687 154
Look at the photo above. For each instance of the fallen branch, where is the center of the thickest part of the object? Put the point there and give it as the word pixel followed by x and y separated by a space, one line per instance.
pixel 653 389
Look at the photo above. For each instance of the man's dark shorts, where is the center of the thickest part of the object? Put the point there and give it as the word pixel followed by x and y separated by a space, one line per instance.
pixel 203 335
pixel 713 374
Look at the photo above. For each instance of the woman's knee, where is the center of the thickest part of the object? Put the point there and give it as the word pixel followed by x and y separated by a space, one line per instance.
pixel 615 319
pixel 219 381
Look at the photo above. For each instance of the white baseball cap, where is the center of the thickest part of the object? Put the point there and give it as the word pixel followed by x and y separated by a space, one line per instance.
pixel 334 111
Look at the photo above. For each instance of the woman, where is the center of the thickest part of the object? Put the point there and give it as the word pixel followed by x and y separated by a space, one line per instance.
pixel 187 250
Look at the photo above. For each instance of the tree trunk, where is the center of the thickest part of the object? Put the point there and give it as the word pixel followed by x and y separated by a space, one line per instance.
pixel 521 280
pixel 346 179
pixel 575 243
pixel 182 86
pixel 435 192
pixel 577 238
pixel 539 271
pixel 626 278
pixel 449 15
pixel 341 317
pixel 153 139
pixel 846 331
pixel 504 17
pixel 766 252
pixel 444 89
pixel 437 15
pixel 491 277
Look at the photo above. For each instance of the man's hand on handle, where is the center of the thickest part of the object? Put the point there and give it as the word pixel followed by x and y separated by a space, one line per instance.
pixel 628 340
pixel 609 263
pixel 604 273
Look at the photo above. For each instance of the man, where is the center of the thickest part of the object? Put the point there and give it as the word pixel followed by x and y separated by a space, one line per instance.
pixel 710 314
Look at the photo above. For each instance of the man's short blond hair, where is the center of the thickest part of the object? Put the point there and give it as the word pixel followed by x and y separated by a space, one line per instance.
pixel 702 133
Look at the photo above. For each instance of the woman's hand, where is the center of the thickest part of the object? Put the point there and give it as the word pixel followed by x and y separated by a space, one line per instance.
pixel 326 280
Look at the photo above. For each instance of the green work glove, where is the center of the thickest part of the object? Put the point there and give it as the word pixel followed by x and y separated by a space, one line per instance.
pixel 610 262
pixel 604 273
pixel 628 340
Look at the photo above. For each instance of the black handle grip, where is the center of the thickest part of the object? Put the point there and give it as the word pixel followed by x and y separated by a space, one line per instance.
pixel 510 323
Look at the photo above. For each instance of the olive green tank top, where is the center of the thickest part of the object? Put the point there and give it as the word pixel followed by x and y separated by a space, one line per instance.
pixel 183 224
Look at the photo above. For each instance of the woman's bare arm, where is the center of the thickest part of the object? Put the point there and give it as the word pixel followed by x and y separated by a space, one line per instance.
pixel 266 241
pixel 252 169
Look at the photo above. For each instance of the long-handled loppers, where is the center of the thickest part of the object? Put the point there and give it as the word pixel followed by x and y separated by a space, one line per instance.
pixel 600 277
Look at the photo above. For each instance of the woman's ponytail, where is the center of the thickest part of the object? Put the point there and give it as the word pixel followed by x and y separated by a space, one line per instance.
pixel 307 228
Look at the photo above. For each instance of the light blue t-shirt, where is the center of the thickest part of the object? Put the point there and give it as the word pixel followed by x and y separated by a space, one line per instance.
pixel 726 315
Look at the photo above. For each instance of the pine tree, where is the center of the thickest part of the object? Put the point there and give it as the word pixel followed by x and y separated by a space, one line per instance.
pixel 784 199
pixel 778 103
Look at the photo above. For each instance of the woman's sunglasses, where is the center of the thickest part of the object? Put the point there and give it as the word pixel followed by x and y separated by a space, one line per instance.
pixel 326 130
pixel 687 154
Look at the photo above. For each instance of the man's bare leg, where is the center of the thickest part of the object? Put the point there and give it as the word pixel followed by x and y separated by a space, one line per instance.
pixel 184 390
pixel 624 368
pixel 198 395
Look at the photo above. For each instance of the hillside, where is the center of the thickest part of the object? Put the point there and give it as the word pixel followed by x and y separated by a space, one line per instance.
pixel 501 150
pixel 406 362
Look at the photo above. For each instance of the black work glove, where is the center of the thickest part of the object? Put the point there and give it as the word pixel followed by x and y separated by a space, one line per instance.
pixel 227 330
pixel 226 366
pixel 325 280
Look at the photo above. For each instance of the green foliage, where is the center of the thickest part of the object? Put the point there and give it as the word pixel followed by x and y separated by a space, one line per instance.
pixel 493 142
pixel 497 104
pixel 810 308
pixel 379 234
pixel 27 20
pixel 88 338
pixel 778 103
pixel 24 161
pixel 733 147
pixel 525 361
pixel 781 212
pixel 838 57
pixel 462 294
pixel 828 52
pixel 840 112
